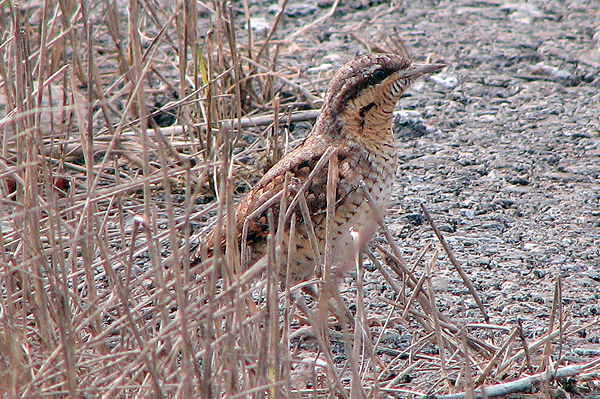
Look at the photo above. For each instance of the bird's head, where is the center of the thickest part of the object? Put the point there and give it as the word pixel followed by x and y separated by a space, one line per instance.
pixel 363 93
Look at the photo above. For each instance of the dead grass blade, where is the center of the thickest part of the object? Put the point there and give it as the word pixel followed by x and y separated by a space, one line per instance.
pixel 455 263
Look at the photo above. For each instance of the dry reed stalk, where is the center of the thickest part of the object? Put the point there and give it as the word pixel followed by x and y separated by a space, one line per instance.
pixel 322 18
pixel 455 263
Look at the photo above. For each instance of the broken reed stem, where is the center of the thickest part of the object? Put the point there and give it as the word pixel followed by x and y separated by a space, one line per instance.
pixel 532 348
pixel 555 315
pixel 411 281
pixel 315 22
pixel 437 328
pixel 528 363
pixel 419 286
pixel 323 342
pixel 265 44
pixel 494 360
pixel 332 181
pixel 361 333
pixel 269 347
pixel 455 263
pixel 468 383
pixel 326 288
pixel 387 276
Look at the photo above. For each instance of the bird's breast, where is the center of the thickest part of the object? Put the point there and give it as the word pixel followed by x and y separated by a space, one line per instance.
pixel 373 170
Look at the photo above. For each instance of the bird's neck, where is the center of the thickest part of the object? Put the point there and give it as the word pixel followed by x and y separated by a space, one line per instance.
pixel 371 129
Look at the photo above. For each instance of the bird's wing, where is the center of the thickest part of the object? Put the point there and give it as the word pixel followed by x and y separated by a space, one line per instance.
pixel 252 209
pixel 299 164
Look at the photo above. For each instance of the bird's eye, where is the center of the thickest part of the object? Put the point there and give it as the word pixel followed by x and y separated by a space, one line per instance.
pixel 379 74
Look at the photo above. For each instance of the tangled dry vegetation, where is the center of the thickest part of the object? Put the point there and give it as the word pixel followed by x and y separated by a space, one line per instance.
pixel 121 123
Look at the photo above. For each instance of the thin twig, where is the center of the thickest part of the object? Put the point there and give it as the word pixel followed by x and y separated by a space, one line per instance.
pixel 455 263
pixel 527 383
pixel 315 22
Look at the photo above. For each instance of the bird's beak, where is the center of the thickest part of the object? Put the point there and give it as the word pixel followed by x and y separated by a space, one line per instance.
pixel 422 69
